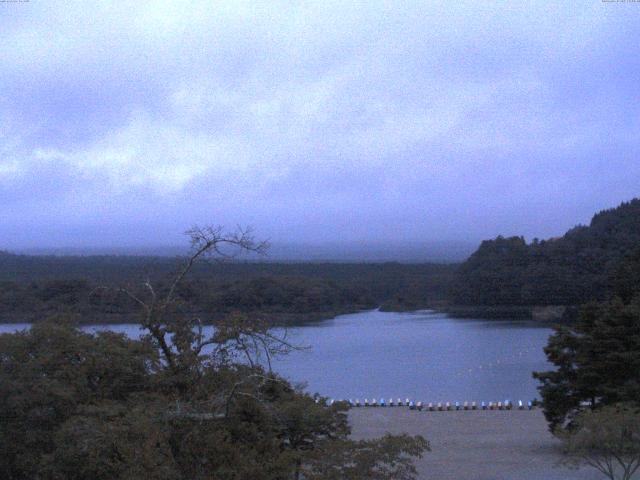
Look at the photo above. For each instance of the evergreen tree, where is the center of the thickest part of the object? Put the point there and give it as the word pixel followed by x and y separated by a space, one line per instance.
pixel 597 360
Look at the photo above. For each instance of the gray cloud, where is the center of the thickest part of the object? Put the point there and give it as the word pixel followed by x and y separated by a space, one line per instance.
pixel 127 122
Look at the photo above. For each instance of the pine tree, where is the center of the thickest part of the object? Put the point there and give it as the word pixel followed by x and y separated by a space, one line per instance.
pixel 597 360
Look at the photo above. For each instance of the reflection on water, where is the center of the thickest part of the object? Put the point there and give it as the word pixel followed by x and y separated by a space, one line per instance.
pixel 421 355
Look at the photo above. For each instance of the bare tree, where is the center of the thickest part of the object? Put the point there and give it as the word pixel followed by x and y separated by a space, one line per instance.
pixel 607 439
pixel 180 338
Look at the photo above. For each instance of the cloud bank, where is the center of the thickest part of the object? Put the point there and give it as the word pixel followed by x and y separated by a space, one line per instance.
pixel 124 123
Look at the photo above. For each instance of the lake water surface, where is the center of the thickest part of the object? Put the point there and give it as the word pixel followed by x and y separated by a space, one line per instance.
pixel 420 355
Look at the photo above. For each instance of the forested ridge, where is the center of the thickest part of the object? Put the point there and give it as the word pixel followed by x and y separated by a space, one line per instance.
pixel 588 263
pixel 32 287
pixel 505 277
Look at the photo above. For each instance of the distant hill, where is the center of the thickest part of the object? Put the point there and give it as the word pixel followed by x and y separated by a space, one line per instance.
pixel 587 263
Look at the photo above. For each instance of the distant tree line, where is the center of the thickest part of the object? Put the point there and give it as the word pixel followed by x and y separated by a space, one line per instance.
pixel 31 288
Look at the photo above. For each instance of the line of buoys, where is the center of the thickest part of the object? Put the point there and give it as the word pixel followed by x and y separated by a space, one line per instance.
pixel 505 360
pixel 439 406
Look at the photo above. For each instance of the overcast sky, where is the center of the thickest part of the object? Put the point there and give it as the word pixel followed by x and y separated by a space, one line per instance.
pixel 126 122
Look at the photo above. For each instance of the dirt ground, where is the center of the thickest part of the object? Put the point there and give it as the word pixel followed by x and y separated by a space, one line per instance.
pixel 475 445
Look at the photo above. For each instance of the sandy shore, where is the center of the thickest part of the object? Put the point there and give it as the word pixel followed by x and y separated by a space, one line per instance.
pixel 475 445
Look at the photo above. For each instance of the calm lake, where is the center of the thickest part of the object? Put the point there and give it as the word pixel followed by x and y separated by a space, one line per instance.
pixel 420 355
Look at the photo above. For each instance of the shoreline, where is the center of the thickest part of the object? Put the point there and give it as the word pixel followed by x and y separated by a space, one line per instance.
pixel 545 316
